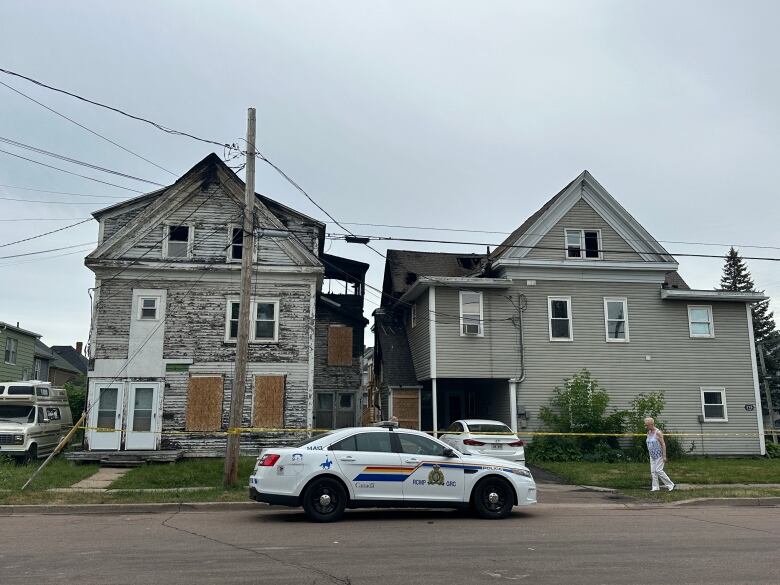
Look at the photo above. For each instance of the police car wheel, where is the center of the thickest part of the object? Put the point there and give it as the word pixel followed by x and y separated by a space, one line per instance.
pixel 324 500
pixel 493 498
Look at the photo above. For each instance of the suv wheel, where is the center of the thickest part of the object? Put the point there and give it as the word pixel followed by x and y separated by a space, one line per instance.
pixel 493 498
pixel 324 500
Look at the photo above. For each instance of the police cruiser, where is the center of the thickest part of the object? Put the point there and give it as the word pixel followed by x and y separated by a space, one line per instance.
pixel 384 466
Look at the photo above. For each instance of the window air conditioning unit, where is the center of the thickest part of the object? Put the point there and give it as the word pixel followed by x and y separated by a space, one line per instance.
pixel 470 329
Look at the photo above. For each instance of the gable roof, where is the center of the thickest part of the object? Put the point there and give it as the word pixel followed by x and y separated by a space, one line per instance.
pixel 392 350
pixel 71 356
pixel 583 187
pixel 160 203
pixel 404 267
pixel 42 350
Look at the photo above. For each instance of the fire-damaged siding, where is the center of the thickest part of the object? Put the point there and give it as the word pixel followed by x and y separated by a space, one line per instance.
pixel 329 377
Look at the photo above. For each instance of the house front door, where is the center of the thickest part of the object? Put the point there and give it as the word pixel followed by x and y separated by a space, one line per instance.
pixel 142 416
pixel 105 433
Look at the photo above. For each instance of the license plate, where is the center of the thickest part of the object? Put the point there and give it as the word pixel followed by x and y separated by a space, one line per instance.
pixel 497 445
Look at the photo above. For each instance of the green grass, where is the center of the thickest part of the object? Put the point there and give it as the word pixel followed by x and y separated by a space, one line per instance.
pixel 689 470
pixel 678 495
pixel 187 473
pixel 122 497
pixel 59 473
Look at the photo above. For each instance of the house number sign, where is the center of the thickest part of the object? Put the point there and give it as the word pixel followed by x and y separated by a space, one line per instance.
pixel 750 407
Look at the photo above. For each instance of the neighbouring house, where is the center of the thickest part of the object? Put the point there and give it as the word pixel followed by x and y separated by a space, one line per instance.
pixel 42 360
pixel 62 371
pixel 165 318
pixel 580 284
pixel 74 356
pixel 19 352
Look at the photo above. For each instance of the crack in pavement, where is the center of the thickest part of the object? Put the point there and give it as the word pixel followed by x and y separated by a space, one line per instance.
pixel 722 524
pixel 322 573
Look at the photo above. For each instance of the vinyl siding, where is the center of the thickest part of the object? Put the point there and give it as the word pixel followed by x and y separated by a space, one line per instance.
pixel 25 350
pixel 583 216
pixel 679 365
pixel 419 336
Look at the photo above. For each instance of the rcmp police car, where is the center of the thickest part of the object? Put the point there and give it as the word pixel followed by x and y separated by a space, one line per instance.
pixel 384 466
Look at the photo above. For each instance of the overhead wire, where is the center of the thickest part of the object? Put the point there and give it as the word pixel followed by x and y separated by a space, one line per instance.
pixel 46 233
pixel 61 192
pixel 46 251
pixel 90 130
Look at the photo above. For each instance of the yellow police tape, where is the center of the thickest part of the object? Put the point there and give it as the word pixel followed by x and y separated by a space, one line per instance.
pixel 521 433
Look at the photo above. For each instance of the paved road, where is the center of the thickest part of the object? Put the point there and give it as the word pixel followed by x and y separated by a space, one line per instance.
pixel 551 544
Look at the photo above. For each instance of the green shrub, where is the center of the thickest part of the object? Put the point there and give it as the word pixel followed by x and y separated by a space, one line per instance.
pixel 603 452
pixel 773 450
pixel 77 396
pixel 544 448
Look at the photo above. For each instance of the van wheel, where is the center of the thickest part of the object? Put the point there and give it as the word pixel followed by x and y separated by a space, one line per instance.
pixel 324 500
pixel 31 455
pixel 493 498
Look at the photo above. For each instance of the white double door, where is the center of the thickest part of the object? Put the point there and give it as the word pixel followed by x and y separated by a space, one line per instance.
pixel 131 409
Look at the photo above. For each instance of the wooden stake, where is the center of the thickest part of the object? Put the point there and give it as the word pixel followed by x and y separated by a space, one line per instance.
pixel 244 318
pixel 59 448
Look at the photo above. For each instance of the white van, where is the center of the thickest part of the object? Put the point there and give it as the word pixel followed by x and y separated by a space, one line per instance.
pixel 34 417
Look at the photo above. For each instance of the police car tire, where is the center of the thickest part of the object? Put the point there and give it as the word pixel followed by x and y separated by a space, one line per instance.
pixel 497 510
pixel 326 486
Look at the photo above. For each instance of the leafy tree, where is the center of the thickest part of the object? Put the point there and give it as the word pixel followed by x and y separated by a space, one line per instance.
pixel 737 277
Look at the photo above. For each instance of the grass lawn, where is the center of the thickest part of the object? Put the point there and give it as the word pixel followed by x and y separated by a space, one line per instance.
pixel 123 497
pixel 689 470
pixel 187 473
pixel 59 473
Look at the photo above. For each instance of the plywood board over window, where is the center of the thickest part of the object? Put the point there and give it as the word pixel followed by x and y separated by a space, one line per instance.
pixel 204 403
pixel 268 402
pixel 406 408
pixel 339 345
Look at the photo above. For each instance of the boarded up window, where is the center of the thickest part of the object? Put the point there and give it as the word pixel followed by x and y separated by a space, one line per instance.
pixel 204 404
pixel 339 345
pixel 268 404
pixel 406 408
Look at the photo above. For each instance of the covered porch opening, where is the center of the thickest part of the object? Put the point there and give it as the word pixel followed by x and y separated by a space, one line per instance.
pixel 463 398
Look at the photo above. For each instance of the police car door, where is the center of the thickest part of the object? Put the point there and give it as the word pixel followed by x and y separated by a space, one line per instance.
pixel 435 477
pixel 370 465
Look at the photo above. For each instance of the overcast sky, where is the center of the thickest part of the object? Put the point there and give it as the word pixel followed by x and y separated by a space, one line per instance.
pixel 447 114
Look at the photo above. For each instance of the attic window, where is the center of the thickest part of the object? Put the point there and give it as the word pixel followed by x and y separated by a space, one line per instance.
pixel 583 244
pixel 177 241
pixel 236 243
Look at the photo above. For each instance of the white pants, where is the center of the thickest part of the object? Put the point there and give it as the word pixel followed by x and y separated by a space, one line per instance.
pixel 656 471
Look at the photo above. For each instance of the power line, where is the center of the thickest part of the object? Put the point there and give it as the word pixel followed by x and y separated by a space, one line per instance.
pixel 69 172
pixel 43 218
pixel 76 161
pixel 46 233
pixel 51 250
pixel 60 192
pixel 135 154
pixel 79 251
pixel 54 202
pixel 161 127
pixel 554 248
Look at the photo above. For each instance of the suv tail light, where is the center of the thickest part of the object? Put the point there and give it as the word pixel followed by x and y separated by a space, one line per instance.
pixel 268 460
pixel 516 444
pixel 473 443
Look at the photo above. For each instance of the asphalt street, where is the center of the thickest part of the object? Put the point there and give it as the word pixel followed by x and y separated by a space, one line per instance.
pixel 584 543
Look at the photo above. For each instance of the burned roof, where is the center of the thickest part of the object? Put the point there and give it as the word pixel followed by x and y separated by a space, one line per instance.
pixel 403 267
pixel 674 280
pixel 392 349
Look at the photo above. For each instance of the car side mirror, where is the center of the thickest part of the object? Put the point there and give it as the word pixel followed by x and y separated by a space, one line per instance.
pixel 449 453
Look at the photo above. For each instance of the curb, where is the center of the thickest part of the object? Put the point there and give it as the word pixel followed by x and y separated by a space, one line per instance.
pixel 703 502
pixel 156 508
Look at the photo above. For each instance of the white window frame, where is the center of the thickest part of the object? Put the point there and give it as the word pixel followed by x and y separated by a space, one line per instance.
pixel 252 314
pixel 550 318
pixel 481 313
pixel 141 306
pixel 231 227
pixel 722 391
pixel 190 237
pixel 12 354
pixel 37 364
pixel 582 244
pixel 413 315
pixel 711 334
pixel 623 300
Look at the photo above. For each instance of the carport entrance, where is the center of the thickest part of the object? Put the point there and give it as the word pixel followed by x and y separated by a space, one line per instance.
pixel 464 398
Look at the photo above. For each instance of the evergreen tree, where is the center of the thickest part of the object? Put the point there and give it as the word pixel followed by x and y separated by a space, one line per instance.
pixel 736 277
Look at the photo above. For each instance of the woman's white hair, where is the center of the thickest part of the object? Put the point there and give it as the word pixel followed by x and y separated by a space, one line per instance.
pixel 650 419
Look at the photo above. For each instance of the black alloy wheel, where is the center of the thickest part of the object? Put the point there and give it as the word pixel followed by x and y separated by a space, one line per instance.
pixel 493 498
pixel 324 500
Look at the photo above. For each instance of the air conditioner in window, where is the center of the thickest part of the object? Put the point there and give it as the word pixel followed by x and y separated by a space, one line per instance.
pixel 470 329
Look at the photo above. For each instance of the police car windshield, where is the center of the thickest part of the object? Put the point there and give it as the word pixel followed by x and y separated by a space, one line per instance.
pixel 489 428
pixel 18 413
pixel 312 439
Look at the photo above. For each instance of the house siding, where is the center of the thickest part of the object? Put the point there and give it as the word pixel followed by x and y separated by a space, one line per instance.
pixel 419 336
pixel 25 351
pixel 326 377
pixel 583 216
pixel 679 365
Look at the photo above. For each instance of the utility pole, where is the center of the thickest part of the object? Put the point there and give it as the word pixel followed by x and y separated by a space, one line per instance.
pixel 242 345
pixel 767 393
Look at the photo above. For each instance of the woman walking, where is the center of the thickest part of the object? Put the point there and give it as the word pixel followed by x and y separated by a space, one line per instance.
pixel 656 447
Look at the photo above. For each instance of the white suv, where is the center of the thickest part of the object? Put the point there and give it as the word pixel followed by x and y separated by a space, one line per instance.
pixel 383 466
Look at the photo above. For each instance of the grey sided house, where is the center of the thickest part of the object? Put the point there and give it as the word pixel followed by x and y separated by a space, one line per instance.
pixel 580 284
pixel 165 318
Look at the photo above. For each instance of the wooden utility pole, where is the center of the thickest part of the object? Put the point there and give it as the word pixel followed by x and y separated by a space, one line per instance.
pixel 767 393
pixel 242 345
